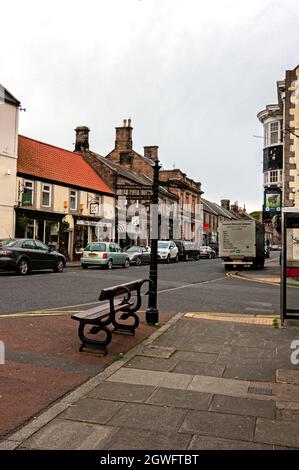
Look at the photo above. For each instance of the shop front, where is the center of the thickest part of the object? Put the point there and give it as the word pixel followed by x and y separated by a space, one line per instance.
pixel 88 229
pixel 39 225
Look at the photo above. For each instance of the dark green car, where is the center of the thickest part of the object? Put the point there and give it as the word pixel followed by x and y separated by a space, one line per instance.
pixel 105 254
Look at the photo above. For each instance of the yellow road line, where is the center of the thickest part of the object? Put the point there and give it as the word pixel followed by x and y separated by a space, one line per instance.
pixel 39 313
pixel 265 320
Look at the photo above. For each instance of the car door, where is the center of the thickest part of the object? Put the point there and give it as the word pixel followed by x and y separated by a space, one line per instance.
pixel 47 259
pixel 173 250
pixel 29 249
pixel 145 256
pixel 121 255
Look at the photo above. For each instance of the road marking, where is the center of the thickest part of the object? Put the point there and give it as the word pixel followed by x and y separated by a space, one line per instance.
pixel 39 313
pixel 234 317
pixel 196 284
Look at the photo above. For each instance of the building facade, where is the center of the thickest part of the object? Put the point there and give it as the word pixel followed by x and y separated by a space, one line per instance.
pixel 61 199
pixel 9 116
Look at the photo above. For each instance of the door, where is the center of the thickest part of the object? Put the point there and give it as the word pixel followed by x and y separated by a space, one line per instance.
pixel 29 249
pixel 146 255
pixel 121 256
pixel 46 259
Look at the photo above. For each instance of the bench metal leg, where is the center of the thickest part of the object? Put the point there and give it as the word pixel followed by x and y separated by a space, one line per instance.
pixel 94 343
pixel 120 328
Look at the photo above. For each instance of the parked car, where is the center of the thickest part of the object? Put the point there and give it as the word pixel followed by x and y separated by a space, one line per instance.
pixel 267 251
pixel 25 255
pixel 138 255
pixel 167 251
pixel 104 254
pixel 187 250
pixel 207 252
pixel 275 248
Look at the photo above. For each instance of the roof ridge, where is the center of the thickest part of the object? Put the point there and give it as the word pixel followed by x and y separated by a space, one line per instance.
pixel 50 145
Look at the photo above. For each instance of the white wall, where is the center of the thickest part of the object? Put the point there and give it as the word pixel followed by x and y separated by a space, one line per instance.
pixel 8 167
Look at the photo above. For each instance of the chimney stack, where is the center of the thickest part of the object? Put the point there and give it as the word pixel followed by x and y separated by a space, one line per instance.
pixel 82 138
pixel 123 140
pixel 151 152
pixel 225 203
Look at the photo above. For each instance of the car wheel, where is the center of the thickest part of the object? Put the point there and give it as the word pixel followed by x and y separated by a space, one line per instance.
pixel 138 261
pixel 176 259
pixel 84 266
pixel 197 257
pixel 126 263
pixel 59 266
pixel 186 257
pixel 109 264
pixel 23 267
pixel 168 259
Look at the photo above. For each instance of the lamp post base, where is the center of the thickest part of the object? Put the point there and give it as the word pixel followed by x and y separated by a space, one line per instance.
pixel 152 315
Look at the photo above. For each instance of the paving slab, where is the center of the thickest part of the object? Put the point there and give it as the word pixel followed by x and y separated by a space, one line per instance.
pixel 181 399
pixel 69 435
pixel 219 386
pixel 161 352
pixel 149 377
pixel 148 417
pixel 216 443
pixel 91 410
pixel 243 406
pixel 286 376
pixel 283 433
pixel 138 439
pixel 219 425
pixel 198 357
pixel 257 371
pixel 122 392
pixel 194 368
pixel 150 363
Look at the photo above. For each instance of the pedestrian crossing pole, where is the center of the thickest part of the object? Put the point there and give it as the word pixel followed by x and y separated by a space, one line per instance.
pixel 152 312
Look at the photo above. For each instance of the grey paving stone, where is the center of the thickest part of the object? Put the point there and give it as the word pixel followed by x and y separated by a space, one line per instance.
pixel 193 368
pixel 197 357
pixel 150 363
pixel 215 443
pixel 122 392
pixel 181 399
pixel 91 410
pixel 219 425
pixel 150 440
pixel 281 433
pixel 151 377
pixel 219 386
pixel 148 417
pixel 243 406
pixel 158 351
pixel 69 435
pixel 254 371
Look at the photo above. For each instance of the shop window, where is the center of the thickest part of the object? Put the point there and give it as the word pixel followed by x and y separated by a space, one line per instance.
pixel 46 195
pixel 73 200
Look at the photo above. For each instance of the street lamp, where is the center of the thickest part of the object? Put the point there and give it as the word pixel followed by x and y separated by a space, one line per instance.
pixel 152 312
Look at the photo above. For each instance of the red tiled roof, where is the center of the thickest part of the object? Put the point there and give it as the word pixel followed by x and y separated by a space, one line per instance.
pixel 53 163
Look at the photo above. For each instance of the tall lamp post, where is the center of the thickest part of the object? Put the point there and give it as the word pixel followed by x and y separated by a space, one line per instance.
pixel 152 312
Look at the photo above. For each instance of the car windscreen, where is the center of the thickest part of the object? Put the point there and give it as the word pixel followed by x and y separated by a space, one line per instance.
pixel 9 243
pixel 163 245
pixel 134 249
pixel 95 247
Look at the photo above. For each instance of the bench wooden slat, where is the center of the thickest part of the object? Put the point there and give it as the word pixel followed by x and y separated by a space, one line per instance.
pixel 99 312
pixel 106 293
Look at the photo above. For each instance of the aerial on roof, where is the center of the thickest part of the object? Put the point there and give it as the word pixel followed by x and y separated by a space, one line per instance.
pixel 45 161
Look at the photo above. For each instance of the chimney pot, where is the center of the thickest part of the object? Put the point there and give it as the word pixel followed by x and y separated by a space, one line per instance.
pixel 125 123
pixel 151 152
pixel 129 122
pixel 82 138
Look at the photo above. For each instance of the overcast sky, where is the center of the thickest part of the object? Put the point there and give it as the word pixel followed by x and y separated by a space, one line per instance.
pixel 191 74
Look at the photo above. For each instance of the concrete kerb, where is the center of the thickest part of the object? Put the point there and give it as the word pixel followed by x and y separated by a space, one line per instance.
pixel 14 440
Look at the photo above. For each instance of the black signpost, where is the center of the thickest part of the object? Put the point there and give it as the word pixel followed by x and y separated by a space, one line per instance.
pixel 152 312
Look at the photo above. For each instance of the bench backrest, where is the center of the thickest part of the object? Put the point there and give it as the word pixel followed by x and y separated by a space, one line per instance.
pixel 121 289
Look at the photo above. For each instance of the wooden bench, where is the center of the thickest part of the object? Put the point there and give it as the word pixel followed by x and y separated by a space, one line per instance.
pixel 104 315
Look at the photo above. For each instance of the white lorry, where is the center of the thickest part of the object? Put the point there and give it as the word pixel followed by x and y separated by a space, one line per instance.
pixel 242 243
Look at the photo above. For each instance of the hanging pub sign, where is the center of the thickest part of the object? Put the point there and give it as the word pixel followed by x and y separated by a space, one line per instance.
pixel 272 203
pixel 94 208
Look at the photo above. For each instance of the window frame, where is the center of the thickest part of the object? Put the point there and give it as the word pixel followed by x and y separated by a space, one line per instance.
pixel 76 200
pixel 46 192
pixel 32 190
